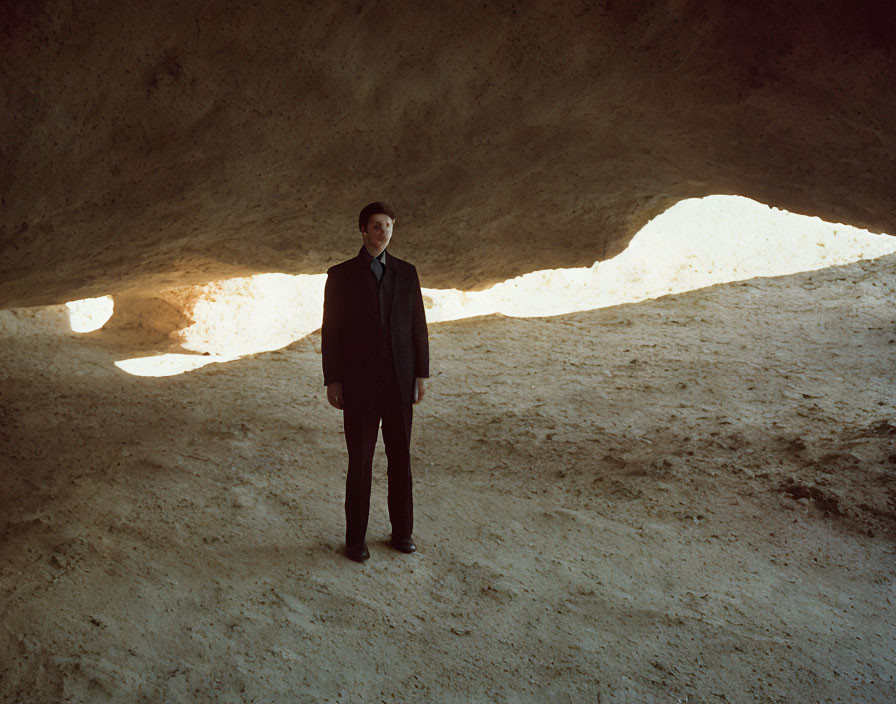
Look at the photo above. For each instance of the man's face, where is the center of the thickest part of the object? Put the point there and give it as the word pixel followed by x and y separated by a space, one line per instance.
pixel 377 234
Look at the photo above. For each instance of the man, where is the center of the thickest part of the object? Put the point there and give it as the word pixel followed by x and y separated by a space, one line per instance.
pixel 375 352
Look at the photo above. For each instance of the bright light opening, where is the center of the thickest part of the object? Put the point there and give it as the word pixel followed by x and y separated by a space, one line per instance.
pixel 237 317
pixel 168 364
pixel 90 314
pixel 696 243
pixel 254 314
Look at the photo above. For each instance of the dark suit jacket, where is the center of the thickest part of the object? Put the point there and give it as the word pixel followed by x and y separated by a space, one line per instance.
pixel 352 333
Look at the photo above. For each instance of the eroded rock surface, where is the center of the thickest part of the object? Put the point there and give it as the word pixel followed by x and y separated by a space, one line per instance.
pixel 149 147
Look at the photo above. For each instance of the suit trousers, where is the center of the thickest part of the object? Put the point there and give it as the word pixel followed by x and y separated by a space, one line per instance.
pixel 361 431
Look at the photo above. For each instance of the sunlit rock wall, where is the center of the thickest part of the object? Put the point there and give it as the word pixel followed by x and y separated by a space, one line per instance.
pixel 148 146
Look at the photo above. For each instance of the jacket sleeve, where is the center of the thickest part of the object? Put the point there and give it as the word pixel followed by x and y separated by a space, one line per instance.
pixel 329 332
pixel 419 333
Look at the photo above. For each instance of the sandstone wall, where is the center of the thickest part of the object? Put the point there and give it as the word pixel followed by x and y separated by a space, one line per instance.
pixel 146 146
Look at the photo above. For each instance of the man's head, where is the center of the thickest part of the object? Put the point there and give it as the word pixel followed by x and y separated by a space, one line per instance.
pixel 376 222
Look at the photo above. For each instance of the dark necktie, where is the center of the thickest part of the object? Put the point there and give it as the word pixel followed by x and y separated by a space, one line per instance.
pixel 377 267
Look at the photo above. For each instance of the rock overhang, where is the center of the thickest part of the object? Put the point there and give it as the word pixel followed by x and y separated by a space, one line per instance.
pixel 152 149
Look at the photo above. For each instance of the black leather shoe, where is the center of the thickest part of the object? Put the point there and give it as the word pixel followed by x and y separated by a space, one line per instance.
pixel 358 553
pixel 405 545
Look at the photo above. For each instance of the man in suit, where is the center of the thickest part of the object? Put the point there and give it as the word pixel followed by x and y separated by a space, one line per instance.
pixel 375 352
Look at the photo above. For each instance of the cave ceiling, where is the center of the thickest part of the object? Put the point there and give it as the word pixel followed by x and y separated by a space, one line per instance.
pixel 148 146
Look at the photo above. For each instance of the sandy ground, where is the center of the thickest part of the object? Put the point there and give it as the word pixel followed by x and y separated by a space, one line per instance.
pixel 688 499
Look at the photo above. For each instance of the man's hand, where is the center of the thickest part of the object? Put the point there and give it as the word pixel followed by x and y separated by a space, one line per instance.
pixel 418 396
pixel 334 394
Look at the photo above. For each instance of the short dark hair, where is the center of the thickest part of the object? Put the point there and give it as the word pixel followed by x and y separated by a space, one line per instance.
pixel 373 209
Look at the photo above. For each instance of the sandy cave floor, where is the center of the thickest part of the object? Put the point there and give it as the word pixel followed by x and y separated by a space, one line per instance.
pixel 687 499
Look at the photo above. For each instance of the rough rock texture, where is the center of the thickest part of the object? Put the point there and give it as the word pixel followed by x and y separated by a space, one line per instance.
pixel 687 499
pixel 145 146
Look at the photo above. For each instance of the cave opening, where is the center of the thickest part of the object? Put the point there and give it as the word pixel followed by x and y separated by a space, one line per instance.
pixel 698 242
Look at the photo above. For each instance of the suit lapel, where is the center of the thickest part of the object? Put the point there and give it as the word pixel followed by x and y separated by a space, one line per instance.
pixel 390 282
pixel 366 287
